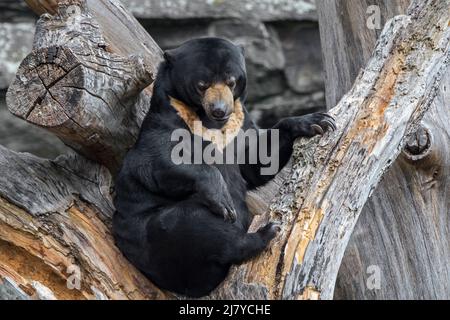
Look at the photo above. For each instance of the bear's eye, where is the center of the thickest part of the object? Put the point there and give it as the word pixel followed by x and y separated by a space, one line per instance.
pixel 231 82
pixel 202 85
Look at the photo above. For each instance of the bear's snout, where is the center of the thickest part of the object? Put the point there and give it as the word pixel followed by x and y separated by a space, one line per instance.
pixel 218 102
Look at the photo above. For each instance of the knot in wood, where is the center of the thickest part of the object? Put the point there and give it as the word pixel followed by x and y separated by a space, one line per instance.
pixel 418 145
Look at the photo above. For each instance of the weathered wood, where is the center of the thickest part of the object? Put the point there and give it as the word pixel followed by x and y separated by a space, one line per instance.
pixel 41 7
pixel 122 32
pixel 350 22
pixel 81 83
pixel 15 11
pixel 317 217
pixel 55 215
pixel 54 227
pixel 403 232
pixel 404 229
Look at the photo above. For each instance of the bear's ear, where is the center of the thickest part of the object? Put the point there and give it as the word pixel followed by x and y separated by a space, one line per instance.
pixel 169 56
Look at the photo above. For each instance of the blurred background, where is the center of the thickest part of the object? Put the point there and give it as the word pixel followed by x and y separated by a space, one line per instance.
pixel 281 38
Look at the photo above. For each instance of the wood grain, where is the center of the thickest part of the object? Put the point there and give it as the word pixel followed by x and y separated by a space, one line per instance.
pixel 404 227
pixel 55 215
pixel 77 63
pixel 347 42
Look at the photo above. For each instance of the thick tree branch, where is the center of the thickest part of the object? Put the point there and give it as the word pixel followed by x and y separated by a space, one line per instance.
pixel 400 246
pixel 54 231
pixel 83 83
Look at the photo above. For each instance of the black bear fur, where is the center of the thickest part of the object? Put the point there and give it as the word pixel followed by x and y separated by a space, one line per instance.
pixel 184 225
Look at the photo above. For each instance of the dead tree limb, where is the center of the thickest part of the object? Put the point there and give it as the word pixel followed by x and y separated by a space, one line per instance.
pixel 85 85
pixel 402 236
pixel 54 227
pixel 318 205
pixel 93 94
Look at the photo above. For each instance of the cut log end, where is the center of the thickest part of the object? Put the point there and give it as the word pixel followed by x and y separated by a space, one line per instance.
pixel 77 84
pixel 39 95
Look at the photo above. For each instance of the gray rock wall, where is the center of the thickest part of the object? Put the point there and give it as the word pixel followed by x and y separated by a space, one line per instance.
pixel 281 38
pixel 15 44
pixel 262 10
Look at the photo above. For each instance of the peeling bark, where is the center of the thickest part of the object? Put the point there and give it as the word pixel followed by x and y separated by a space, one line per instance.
pixel 405 226
pixel 402 235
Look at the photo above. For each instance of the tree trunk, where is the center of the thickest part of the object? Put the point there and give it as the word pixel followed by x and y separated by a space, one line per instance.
pixel 57 213
pixel 403 233
pixel 349 30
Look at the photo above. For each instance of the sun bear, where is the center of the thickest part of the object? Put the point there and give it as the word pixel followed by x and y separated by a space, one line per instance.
pixel 183 225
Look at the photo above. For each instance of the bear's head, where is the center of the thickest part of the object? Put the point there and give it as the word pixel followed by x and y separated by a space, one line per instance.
pixel 208 75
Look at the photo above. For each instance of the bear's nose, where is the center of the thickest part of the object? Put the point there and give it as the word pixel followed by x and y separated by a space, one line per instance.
pixel 218 110
pixel 218 113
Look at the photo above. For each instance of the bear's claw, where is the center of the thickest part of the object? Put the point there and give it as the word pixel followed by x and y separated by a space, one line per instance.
pixel 230 215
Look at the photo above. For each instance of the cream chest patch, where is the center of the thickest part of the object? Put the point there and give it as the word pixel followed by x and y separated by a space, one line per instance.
pixel 220 137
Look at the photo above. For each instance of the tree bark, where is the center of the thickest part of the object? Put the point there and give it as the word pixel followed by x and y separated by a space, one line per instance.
pixel 54 231
pixel 403 232
pixel 79 62
pixel 349 30
pixel 57 213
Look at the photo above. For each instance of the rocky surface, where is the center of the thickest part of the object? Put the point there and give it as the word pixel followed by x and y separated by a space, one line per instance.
pixel 284 60
pixel 281 40
pixel 302 51
pixel 268 111
pixel 16 40
pixel 263 10
pixel 15 11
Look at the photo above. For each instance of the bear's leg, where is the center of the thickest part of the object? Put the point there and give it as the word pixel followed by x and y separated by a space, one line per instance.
pixel 203 183
pixel 251 244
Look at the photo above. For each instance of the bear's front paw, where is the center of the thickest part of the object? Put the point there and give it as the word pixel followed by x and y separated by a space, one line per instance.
pixel 270 230
pixel 310 125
